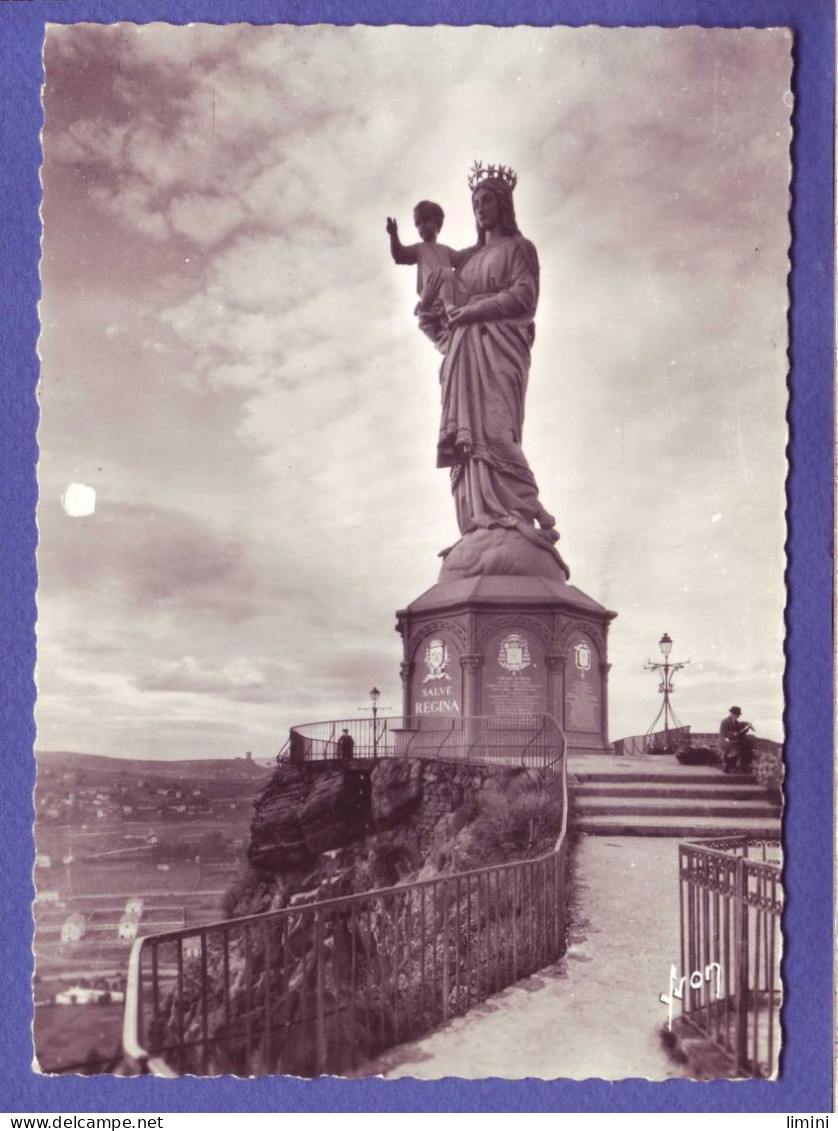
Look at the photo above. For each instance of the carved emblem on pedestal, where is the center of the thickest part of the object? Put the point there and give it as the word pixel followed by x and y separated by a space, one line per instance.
pixel 436 660
pixel 582 653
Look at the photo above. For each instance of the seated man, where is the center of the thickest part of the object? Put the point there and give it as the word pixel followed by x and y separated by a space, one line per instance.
pixel 735 745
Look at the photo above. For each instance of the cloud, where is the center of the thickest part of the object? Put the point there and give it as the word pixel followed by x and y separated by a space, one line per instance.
pixel 151 557
pixel 207 219
pixel 232 679
pixel 134 204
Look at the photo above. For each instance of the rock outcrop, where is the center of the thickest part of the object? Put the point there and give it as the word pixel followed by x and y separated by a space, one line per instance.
pixel 306 810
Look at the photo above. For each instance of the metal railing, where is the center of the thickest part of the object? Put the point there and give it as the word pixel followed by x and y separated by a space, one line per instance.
pixel 323 987
pixel 731 904
pixel 532 741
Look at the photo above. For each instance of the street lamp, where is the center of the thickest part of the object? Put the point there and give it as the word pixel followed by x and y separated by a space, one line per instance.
pixel 375 695
pixel 666 687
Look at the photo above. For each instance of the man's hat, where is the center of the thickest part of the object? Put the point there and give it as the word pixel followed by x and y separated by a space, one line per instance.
pixel 736 710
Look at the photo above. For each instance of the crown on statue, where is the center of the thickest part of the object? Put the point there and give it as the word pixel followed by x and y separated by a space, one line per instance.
pixel 481 173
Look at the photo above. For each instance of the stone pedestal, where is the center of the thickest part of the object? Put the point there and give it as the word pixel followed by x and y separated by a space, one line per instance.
pixel 509 643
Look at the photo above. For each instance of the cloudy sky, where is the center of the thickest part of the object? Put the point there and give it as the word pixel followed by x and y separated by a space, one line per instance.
pixel 230 360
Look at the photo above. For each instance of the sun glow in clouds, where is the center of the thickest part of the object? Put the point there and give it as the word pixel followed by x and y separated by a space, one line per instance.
pixel 78 500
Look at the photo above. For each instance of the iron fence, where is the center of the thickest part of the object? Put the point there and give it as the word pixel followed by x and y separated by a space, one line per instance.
pixel 731 904
pixel 532 741
pixel 322 987
pixel 318 989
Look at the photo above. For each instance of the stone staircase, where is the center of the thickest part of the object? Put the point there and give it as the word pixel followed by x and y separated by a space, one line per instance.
pixel 659 797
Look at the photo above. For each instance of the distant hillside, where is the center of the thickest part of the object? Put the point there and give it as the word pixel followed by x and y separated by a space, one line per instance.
pixel 68 761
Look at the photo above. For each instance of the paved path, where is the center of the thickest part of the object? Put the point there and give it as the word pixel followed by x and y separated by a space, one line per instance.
pixel 595 1014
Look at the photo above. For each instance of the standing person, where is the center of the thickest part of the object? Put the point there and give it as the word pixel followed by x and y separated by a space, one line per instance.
pixel 735 747
pixel 346 746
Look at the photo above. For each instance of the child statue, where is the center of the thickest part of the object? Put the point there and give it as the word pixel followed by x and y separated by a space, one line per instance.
pixel 435 282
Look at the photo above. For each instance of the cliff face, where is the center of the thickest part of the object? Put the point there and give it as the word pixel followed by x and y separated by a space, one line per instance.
pixel 305 811
pixel 322 830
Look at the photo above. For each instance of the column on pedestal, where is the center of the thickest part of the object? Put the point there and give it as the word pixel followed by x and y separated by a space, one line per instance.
pixel 471 663
pixel 604 668
pixel 406 670
pixel 555 688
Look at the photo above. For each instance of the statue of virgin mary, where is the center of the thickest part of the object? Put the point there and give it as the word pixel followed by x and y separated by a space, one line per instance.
pixel 486 340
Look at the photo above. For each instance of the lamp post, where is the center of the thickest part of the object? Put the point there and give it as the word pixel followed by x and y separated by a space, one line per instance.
pixel 666 670
pixel 375 695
